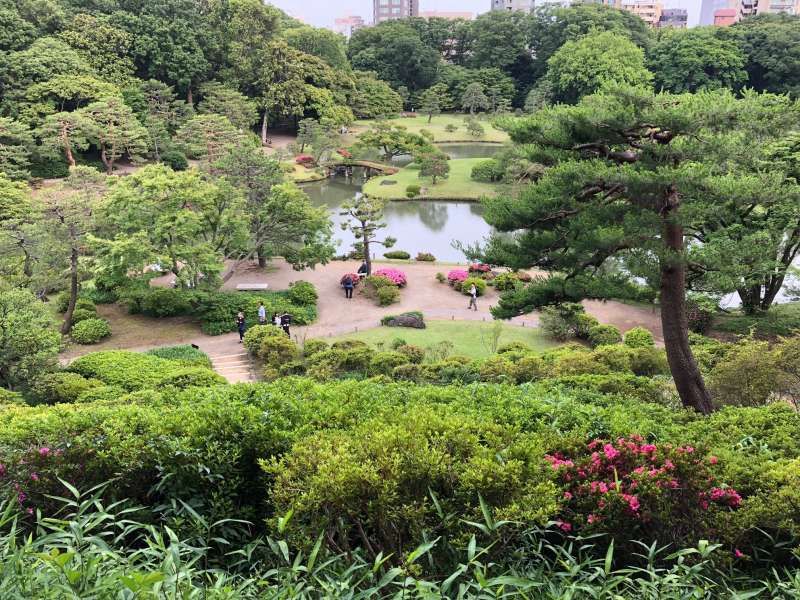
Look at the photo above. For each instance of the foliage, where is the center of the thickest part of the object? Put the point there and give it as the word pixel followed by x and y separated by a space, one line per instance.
pixel 396 276
pixel 408 319
pixel 639 337
pixel 425 257
pixel 90 331
pixel 506 281
pixel 53 388
pixel 186 354
pixel 478 282
pixel 303 293
pixel 750 375
pixel 488 171
pixel 700 313
pixel 364 218
pixel 473 99
pixel 277 350
pixel 600 335
pixel 412 191
pixel 434 165
pixel 175 160
pixel 781 319
pixel 768 43
pixel 254 336
pixel 397 255
pixel 373 98
pixel 387 295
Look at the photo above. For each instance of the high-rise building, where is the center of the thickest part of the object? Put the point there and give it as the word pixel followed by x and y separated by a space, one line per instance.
pixel 789 7
pixel 348 25
pixel 709 7
pixel 648 10
pixel 513 5
pixel 677 18
pixel 543 3
pixel 386 10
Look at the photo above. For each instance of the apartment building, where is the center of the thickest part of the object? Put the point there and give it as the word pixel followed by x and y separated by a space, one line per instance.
pixel 386 10
pixel 513 5
pixel 647 10
pixel 677 18
pixel 451 15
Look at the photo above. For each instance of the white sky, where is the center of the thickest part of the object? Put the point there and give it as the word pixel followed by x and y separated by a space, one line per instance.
pixel 322 12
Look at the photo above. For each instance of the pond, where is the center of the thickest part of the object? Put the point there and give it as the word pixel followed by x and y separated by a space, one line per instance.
pixel 418 226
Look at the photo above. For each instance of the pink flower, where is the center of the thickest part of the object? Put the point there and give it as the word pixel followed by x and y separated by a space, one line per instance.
pixel 647 448
pixel 564 526
pixel 396 276
pixel 35 476
pixel 45 451
pixel 457 275
pixel 610 452
pixel 29 510
pixel 2 469
pixel 592 519
pixel 633 503
pixel 713 460
pixel 704 504
pixel 21 497
pixel 567 496
pixel 738 553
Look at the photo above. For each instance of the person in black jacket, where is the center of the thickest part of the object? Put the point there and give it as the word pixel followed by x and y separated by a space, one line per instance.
pixel 241 326
pixel 286 321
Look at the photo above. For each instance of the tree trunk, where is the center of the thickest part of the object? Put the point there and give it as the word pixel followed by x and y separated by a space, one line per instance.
pixel 751 299
pixel 189 97
pixel 106 161
pixel 430 117
pixel 682 364
pixel 73 291
pixel 67 147
pixel 262 259
pixel 367 258
pixel 264 120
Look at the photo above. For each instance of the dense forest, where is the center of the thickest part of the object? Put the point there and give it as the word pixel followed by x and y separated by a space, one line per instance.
pixel 659 168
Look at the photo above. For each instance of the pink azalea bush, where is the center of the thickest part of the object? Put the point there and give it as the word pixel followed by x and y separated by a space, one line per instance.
pixel 633 490
pixel 396 276
pixel 34 474
pixel 304 159
pixel 457 276
pixel 479 268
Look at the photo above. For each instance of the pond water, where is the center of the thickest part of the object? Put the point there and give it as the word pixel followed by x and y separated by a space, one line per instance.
pixel 418 226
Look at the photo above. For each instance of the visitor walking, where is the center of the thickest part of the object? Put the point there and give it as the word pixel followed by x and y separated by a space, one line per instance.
pixel 348 286
pixel 286 321
pixel 262 314
pixel 473 297
pixel 241 326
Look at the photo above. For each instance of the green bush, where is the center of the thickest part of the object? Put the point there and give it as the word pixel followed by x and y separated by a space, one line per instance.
pixel 440 277
pixel 529 368
pixel 397 255
pixel 514 347
pixel 383 363
pixel 276 350
pixel 166 302
pixel 303 293
pixel 750 375
pixel 413 319
pixel 639 337
pixel 131 371
pixel 397 343
pixel 780 320
pixel 62 387
pixel 90 331
pixel 9 398
pixel 357 359
pixel 349 345
pixel 488 171
pixel 409 372
pixel 185 377
pixel 565 321
pixel 388 295
pixel 602 335
pixel 175 159
pixel 506 281
pixel 185 354
pixel 81 314
pixel 480 285
pixel 415 354
pixel 648 362
pixel 62 303
pixel 311 347
pixel 578 363
pixel 102 393
pixel 496 369
pixel 617 357
pixel 700 311
pixel 256 334
pixel 413 190
pixel 427 257
pixel 450 128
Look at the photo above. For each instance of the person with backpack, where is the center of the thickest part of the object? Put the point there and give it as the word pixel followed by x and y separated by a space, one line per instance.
pixel 348 285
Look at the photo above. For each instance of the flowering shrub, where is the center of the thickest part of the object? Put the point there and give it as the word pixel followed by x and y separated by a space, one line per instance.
pixel 305 160
pixel 457 276
pixel 353 277
pixel 33 473
pixel 635 490
pixel 479 268
pixel 396 276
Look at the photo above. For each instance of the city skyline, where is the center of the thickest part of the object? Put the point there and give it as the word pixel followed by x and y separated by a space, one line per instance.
pixel 322 13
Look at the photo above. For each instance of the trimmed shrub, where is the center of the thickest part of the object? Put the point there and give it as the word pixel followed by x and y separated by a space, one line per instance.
pixel 256 334
pixel 102 393
pixel 303 293
pixel 514 347
pixel 488 171
pixel 426 257
pixel 412 191
pixel 639 337
pixel 388 295
pixel 602 335
pixel 409 372
pixel 184 354
pixel 131 371
pixel 450 128
pixel 312 347
pixel 357 359
pixel 396 276
pixel 441 278
pixel 397 255
pixel 383 363
pixel 496 369
pixel 566 320
pixel 9 398
pixel 617 357
pixel 90 331
pixel 62 303
pixel 412 319
pixel 349 345
pixel 276 350
pixel 415 354
pixel 529 368
pixel 648 362
pixel 63 387
pixel 479 283
pixel 506 281
pixel 185 377
pixel 165 302
pixel 578 363
pixel 81 314
pixel 583 323
pixel 456 277
pixel 175 159
pixel 750 375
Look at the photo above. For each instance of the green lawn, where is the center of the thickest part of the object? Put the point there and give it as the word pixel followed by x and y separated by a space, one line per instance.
pixel 438 124
pixel 458 186
pixel 469 338
pixel 301 174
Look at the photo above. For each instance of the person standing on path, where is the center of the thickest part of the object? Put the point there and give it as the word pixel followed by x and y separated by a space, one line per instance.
pixel 473 297
pixel 348 286
pixel 276 320
pixel 241 326
pixel 262 314
pixel 286 321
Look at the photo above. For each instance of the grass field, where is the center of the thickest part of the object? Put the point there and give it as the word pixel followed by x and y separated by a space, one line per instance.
pixel 458 186
pixel 301 174
pixel 469 338
pixel 440 134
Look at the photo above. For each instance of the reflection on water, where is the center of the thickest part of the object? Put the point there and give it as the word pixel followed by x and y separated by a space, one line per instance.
pixel 419 226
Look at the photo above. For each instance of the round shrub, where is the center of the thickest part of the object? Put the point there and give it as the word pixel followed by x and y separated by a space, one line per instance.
pixel 506 281
pixel 397 342
pixel 583 323
pixel 257 333
pixel 62 303
pixel 186 377
pixel 383 363
pixel 303 293
pixel 603 335
pixel 488 171
pixel 102 393
pixel 63 387
pixel 450 128
pixel 81 314
pixel 85 304
pixel 349 345
pixel 165 302
pixel 388 296
pixel 578 363
pixel 639 337
pixel 397 255
pixel 396 276
pixel 413 190
pixel 415 354
pixel 412 319
pixel 409 372
pixel 426 257
pixel 496 369
pixel 648 362
pixel 312 347
pixel 90 331
pixel 276 350
pixel 186 354
pixel 357 359
pixel 456 277
pixel 616 357
pixel 175 159
pixel 750 375
pixel 479 283
pixel 529 368
pixel 514 347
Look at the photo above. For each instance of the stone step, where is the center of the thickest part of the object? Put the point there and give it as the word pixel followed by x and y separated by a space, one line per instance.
pixel 231 363
pixel 216 357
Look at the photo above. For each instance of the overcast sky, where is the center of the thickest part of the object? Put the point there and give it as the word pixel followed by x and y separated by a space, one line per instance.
pixel 322 12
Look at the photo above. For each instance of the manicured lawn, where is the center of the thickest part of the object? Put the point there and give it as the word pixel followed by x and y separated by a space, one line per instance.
pixel 458 186
pixel 440 122
pixel 301 174
pixel 469 338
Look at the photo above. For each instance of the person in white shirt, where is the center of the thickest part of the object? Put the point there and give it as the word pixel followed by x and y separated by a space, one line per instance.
pixel 262 313
pixel 473 297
